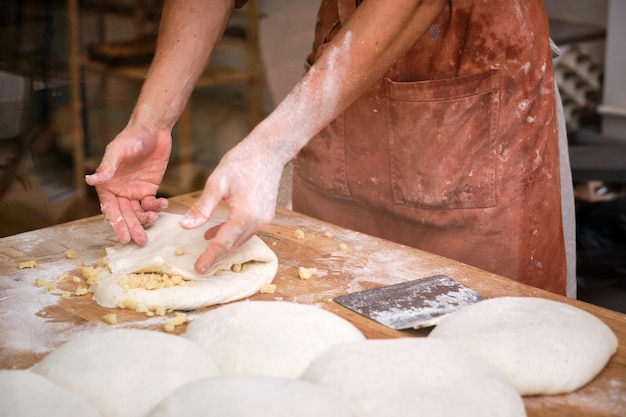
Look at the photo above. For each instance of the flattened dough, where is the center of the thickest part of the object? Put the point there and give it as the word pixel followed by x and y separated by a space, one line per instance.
pixel 272 338
pixel 414 377
pixel 27 394
pixel 543 346
pixel 244 396
pixel 126 372
pixel 159 255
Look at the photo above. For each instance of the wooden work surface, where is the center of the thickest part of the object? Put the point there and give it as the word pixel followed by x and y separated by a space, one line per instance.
pixel 34 321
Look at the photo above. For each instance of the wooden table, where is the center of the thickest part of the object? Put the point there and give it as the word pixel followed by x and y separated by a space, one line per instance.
pixel 34 321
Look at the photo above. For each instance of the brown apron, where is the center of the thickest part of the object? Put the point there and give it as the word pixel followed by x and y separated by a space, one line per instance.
pixel 455 150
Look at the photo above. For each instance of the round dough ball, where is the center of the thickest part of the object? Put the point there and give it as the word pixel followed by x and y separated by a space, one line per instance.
pixel 542 346
pixel 26 394
pixel 252 395
pixel 414 377
pixel 273 338
pixel 126 372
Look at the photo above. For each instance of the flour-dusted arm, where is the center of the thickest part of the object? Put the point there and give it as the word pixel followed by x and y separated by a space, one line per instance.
pixel 247 178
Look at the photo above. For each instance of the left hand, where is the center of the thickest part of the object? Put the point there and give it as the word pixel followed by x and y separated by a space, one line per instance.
pixel 128 178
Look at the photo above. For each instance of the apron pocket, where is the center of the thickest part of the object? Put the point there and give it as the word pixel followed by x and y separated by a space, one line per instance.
pixel 442 141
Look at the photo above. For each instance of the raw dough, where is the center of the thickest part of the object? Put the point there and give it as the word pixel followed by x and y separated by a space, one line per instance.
pixel 244 396
pixel 126 372
pixel 414 377
pixel 165 238
pixel 543 346
pixel 27 394
pixel 273 338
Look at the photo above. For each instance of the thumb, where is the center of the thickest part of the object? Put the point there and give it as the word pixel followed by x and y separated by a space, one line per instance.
pixel 201 211
pixel 98 178
pixel 105 171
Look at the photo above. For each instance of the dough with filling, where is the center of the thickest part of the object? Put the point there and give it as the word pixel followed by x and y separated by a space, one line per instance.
pixel 543 346
pixel 27 394
pixel 163 254
pixel 414 377
pixel 273 338
pixel 252 395
pixel 126 372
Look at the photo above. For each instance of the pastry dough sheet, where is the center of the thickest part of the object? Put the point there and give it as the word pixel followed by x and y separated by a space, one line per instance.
pixel 162 254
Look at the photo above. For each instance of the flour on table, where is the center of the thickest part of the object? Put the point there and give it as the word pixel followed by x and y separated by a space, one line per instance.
pixel 173 250
pixel 543 346
pixel 414 377
pixel 273 338
pixel 126 372
pixel 251 395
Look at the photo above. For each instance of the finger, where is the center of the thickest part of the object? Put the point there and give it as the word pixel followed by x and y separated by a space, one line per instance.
pixel 148 209
pixel 202 209
pixel 105 171
pixel 109 206
pixel 152 203
pixel 212 231
pixel 142 216
pixel 130 217
pixel 99 177
pixel 148 218
pixel 230 236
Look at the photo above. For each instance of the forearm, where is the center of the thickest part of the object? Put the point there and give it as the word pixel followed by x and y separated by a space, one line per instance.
pixel 374 37
pixel 188 33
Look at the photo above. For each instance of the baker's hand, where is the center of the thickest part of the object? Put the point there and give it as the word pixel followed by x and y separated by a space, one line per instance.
pixel 128 178
pixel 247 179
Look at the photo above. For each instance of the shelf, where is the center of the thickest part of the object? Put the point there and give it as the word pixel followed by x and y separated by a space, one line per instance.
pixel 210 77
pixel 183 175
pixel 598 163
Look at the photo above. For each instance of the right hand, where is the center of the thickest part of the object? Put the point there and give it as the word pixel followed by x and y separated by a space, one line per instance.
pixel 128 178
pixel 247 179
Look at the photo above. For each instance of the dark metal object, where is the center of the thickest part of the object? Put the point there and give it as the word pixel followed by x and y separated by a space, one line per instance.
pixel 413 304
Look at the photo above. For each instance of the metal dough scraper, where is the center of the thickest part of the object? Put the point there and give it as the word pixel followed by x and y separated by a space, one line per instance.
pixel 413 304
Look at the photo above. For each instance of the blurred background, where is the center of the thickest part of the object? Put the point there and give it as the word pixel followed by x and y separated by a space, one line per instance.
pixel 71 70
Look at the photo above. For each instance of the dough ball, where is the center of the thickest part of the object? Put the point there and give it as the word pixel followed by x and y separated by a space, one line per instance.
pixel 543 346
pixel 414 377
pixel 252 395
pixel 27 394
pixel 126 372
pixel 273 338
